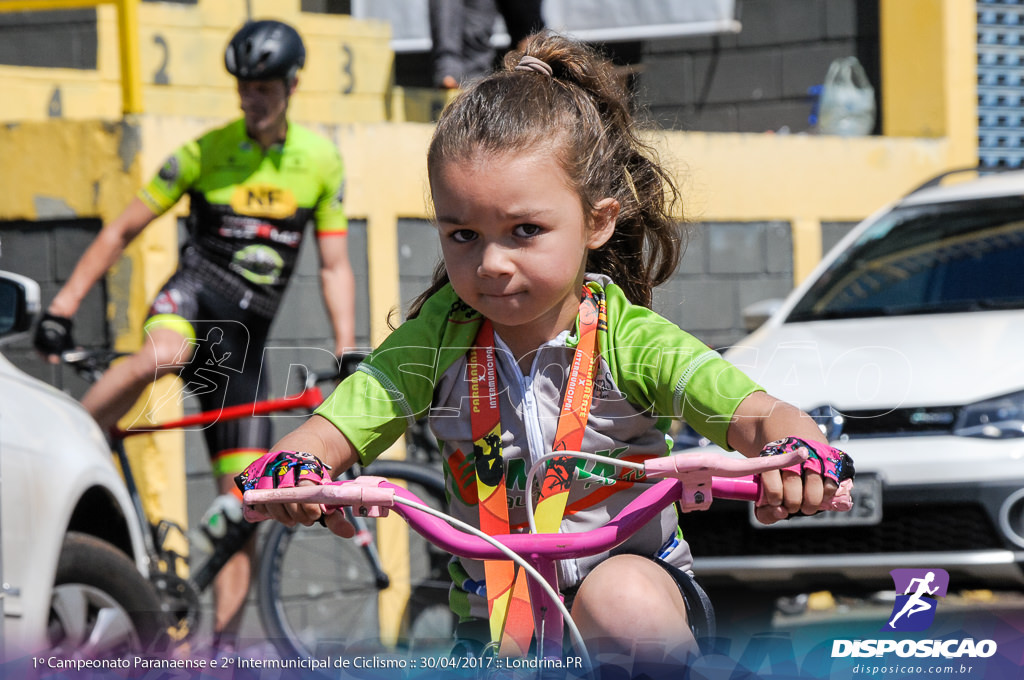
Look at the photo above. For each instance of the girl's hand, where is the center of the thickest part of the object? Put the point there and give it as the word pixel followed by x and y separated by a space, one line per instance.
pixel 306 514
pixel 283 469
pixel 806 490
pixel 789 493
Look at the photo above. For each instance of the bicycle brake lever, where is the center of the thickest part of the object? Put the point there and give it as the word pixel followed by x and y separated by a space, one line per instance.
pixel 373 500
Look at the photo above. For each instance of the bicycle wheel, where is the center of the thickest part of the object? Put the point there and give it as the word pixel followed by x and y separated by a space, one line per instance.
pixel 317 593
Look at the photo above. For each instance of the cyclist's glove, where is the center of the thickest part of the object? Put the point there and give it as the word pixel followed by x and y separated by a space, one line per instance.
pixel 822 458
pixel 53 334
pixel 283 469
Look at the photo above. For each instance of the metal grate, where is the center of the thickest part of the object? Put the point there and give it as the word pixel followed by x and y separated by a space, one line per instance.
pixel 1000 83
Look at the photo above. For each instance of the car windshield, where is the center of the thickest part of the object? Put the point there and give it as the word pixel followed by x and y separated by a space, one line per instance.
pixel 949 257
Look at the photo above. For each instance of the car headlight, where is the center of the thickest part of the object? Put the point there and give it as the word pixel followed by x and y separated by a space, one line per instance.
pixel 998 418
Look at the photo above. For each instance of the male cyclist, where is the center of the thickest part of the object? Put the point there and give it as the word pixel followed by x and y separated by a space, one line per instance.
pixel 253 186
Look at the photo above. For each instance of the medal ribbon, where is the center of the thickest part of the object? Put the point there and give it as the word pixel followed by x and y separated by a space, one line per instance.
pixel 508 600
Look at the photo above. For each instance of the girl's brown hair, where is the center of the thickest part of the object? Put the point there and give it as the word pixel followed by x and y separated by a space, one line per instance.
pixel 582 113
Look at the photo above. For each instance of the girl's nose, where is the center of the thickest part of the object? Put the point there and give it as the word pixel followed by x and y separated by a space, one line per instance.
pixel 495 261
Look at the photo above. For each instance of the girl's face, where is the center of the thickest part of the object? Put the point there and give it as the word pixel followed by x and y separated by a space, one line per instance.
pixel 515 236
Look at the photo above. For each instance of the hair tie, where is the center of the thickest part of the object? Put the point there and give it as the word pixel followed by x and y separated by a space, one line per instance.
pixel 528 63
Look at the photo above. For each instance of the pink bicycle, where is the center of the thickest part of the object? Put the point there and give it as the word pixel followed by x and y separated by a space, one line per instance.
pixel 691 480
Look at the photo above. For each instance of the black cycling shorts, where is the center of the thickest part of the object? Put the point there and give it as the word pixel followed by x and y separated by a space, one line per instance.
pixel 227 368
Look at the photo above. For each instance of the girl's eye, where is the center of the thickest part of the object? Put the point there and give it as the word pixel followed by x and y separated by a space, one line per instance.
pixel 527 230
pixel 462 236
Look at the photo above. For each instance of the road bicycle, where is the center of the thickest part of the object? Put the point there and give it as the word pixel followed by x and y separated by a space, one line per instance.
pixel 300 583
pixel 690 479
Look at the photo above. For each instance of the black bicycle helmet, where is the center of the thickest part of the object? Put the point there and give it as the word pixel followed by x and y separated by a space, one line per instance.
pixel 265 50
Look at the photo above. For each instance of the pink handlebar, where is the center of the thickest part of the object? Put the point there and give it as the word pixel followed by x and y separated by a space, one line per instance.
pixel 711 475
pixel 365 494
pixel 695 479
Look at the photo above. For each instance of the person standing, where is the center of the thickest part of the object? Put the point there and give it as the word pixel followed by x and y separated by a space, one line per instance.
pixel 253 186
pixel 460 34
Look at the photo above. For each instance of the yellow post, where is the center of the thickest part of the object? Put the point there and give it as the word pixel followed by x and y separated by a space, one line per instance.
pixel 384 191
pixel 131 75
pixel 930 81
pixel 806 247
pixel 392 533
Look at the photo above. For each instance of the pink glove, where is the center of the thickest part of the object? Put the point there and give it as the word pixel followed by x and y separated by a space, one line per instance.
pixel 283 469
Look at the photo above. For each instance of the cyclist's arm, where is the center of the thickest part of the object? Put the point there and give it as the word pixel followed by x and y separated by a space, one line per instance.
pixel 100 256
pixel 339 285
pixel 761 419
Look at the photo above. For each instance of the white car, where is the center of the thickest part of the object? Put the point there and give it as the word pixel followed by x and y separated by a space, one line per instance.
pixel 907 345
pixel 73 565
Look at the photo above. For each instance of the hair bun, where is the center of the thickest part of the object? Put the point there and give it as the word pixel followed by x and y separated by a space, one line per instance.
pixel 528 63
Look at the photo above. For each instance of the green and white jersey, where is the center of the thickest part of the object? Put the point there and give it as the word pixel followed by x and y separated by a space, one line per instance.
pixel 249 208
pixel 649 372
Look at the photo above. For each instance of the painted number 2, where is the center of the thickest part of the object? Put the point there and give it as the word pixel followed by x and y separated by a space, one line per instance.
pixel 161 77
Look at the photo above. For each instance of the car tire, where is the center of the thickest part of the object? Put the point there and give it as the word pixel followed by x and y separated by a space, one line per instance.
pixel 101 605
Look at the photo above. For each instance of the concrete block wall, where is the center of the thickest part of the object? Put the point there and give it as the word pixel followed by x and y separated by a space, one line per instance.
pixel 418 252
pixel 727 265
pixel 55 39
pixel 757 80
pixel 46 252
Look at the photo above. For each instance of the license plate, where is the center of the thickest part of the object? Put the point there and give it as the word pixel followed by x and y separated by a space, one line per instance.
pixel 866 511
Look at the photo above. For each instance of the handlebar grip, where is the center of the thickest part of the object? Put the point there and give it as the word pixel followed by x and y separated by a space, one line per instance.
pixel 736 489
pixel 749 489
pixel 365 494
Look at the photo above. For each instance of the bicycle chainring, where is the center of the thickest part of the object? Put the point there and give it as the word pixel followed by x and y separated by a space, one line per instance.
pixel 180 600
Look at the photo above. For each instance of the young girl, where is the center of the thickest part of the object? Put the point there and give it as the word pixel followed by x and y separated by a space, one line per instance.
pixel 555 225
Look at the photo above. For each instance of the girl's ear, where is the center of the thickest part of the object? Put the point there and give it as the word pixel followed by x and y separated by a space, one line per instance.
pixel 602 222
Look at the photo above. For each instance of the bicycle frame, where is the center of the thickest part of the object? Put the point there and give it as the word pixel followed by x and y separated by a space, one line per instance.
pixel 308 399
pixel 696 478
pixel 90 364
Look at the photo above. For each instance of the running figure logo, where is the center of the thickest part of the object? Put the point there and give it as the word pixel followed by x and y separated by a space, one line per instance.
pixel 914 609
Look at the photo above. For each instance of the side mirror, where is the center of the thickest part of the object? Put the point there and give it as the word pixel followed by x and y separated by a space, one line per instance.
pixel 19 304
pixel 757 313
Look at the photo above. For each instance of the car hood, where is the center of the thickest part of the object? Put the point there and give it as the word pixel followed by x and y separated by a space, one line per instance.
pixel 923 360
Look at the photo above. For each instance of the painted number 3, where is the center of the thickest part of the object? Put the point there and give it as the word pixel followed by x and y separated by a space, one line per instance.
pixel 348 76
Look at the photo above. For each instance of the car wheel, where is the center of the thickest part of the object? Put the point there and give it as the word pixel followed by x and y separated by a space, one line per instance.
pixel 101 605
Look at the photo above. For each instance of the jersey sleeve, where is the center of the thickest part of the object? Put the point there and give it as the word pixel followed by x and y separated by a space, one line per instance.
pixel 178 173
pixel 329 213
pixel 663 368
pixel 395 385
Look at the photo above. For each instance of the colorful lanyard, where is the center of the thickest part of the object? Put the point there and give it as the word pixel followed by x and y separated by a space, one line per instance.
pixel 508 600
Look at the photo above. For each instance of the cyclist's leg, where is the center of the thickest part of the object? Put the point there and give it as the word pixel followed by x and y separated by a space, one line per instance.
pixel 631 611
pixel 231 584
pixel 230 355
pixel 169 344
